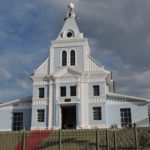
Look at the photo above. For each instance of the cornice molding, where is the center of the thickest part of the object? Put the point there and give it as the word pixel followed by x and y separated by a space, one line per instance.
pixel 26 104
pixel 78 79
pixel 40 102
pixel 73 41
pixel 40 83
pixel 96 100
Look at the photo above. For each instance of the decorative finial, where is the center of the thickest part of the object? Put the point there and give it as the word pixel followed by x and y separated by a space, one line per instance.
pixel 70 13
pixel 71 5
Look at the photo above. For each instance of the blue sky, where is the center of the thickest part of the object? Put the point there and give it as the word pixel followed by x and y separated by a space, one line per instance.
pixel 118 32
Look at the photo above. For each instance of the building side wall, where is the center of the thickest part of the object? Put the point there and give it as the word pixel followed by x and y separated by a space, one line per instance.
pixel 102 88
pixel 113 113
pixel 6 115
pixel 35 125
pixel 36 91
pixel 99 123
pixel 26 116
pixel 6 119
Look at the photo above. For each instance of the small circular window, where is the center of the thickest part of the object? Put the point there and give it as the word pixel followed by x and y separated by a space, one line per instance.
pixel 69 34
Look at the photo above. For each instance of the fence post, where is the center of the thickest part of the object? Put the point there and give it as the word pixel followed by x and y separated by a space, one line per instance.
pixel 115 140
pixel 60 139
pixel 97 140
pixel 24 140
pixel 107 139
pixel 136 137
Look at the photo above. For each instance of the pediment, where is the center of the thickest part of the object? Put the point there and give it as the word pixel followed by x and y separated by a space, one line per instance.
pixel 43 69
pixel 67 72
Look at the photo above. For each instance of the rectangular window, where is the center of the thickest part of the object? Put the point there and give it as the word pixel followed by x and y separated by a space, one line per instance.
pixel 62 91
pixel 96 90
pixel 72 90
pixel 97 114
pixel 17 121
pixel 40 115
pixel 41 92
pixel 125 114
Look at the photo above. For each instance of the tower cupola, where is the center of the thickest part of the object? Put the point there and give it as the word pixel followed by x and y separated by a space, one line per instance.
pixel 70 29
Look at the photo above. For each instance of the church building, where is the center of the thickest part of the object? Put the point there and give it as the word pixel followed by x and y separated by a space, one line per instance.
pixel 71 90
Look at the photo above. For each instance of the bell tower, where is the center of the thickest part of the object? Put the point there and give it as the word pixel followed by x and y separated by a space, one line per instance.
pixel 70 48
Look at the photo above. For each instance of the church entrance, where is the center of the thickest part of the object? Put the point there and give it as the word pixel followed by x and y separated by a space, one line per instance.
pixel 68 117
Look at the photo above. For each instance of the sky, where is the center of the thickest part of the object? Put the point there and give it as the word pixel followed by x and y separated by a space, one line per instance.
pixel 118 33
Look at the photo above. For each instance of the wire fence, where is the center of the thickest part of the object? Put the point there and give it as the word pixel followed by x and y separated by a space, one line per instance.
pixel 143 123
pixel 92 139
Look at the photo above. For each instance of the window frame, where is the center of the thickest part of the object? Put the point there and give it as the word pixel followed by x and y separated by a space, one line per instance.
pixel 61 91
pixel 17 123
pixel 125 117
pixel 41 93
pixel 64 60
pixel 72 58
pixel 40 115
pixel 96 92
pixel 97 113
pixel 73 90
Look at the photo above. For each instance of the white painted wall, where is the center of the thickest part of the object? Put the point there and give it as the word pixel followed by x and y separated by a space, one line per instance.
pixel 113 112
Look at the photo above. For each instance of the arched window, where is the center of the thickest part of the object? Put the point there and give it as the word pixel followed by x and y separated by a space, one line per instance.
pixel 64 58
pixel 72 58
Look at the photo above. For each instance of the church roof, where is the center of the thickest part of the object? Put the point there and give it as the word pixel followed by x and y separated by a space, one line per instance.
pixel 17 101
pixel 95 66
pixel 43 69
pixel 128 97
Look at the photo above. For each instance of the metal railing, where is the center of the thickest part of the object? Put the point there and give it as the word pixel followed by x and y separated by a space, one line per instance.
pixel 92 139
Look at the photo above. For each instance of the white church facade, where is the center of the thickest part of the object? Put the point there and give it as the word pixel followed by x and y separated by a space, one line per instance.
pixel 72 90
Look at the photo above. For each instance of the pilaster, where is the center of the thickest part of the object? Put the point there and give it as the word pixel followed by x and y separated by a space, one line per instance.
pixel 50 105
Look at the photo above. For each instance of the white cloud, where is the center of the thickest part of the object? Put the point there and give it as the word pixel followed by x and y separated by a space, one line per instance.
pixel 7 35
pixel 143 76
pixel 24 83
pixel 5 74
pixel 132 83
pixel 9 94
